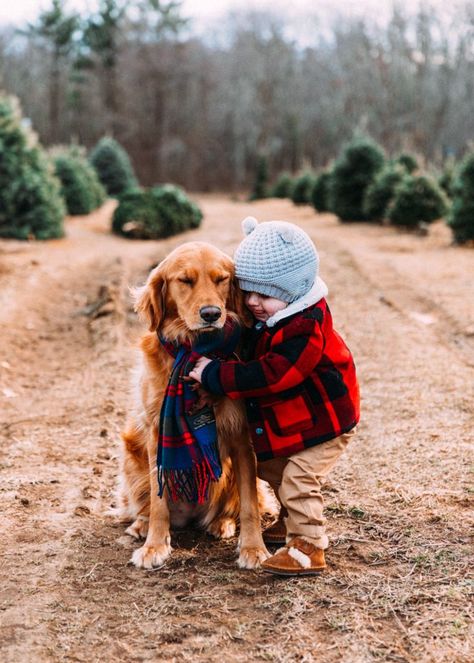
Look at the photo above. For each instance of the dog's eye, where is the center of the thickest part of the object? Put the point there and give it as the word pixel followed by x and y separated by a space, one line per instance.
pixel 186 280
pixel 221 279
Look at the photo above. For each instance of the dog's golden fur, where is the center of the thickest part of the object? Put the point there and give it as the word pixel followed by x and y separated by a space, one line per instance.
pixel 193 277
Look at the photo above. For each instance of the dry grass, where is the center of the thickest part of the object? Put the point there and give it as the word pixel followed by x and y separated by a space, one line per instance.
pixel 399 504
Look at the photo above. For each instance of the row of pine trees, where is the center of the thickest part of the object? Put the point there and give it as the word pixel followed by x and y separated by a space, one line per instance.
pixel 37 189
pixel 362 184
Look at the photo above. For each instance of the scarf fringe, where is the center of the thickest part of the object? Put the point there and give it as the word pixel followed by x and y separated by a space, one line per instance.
pixel 190 485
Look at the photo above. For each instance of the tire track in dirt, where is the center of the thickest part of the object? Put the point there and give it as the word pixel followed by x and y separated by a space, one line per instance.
pixel 69 375
pixel 395 291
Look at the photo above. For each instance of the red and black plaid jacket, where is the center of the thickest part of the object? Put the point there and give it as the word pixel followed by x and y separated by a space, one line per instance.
pixel 300 387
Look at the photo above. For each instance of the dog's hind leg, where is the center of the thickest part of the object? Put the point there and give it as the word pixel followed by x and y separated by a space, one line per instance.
pixel 222 511
pixel 139 528
pixel 222 528
pixel 133 490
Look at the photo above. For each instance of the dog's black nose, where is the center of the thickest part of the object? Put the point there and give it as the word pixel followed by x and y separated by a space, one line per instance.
pixel 210 313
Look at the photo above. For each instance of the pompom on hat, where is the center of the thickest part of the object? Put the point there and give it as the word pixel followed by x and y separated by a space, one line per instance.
pixel 276 259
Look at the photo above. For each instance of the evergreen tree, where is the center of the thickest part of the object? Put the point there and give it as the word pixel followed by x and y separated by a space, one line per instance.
pixel 157 19
pixel 30 201
pixel 260 187
pixel 302 188
pixel 283 186
pixel 320 192
pixel 113 166
pixel 155 213
pixel 381 191
pixel 80 186
pixel 408 161
pixel 446 179
pixel 55 31
pixel 179 212
pixel 101 39
pixel 109 28
pixel 461 217
pixel 418 199
pixel 353 172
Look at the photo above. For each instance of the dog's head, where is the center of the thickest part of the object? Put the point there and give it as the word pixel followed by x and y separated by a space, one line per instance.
pixel 192 290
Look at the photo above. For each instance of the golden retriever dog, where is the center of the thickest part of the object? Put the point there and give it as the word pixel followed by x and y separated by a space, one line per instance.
pixel 192 290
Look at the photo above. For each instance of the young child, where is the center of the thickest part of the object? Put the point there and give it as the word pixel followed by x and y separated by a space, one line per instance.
pixel 299 385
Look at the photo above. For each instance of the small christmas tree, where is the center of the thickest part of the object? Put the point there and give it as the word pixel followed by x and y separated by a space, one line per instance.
pixel 461 217
pixel 260 187
pixel 446 179
pixel 302 188
pixel 80 186
pixel 113 166
pixel 31 205
pixel 283 186
pixel 155 213
pixel 418 199
pixel 320 192
pixel 136 216
pixel 353 172
pixel 179 212
pixel 408 161
pixel 381 191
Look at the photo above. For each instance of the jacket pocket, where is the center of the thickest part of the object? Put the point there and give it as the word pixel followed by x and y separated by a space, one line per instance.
pixel 288 417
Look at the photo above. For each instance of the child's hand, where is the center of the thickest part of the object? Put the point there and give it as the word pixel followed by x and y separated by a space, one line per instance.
pixel 199 366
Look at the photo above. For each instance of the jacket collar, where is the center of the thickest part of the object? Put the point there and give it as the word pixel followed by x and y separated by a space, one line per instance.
pixel 317 292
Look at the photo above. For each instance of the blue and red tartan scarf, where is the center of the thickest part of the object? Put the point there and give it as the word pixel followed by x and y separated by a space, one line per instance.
pixel 188 455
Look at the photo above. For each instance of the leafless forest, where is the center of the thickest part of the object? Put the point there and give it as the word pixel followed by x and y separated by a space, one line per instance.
pixel 199 111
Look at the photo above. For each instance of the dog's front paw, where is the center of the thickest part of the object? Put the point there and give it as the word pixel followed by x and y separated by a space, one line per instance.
pixel 252 558
pixel 139 528
pixel 149 557
pixel 222 528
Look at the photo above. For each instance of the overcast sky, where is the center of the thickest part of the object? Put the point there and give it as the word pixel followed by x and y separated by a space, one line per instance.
pixel 201 11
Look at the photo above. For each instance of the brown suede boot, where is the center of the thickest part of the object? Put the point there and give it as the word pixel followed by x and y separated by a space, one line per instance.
pixel 276 533
pixel 298 558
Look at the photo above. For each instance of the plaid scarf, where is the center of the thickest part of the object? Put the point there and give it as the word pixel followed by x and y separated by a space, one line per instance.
pixel 188 456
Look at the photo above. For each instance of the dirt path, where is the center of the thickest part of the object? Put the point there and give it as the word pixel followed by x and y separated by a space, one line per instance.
pixel 399 502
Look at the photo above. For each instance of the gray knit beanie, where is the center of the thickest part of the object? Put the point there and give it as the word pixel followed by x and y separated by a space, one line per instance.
pixel 276 259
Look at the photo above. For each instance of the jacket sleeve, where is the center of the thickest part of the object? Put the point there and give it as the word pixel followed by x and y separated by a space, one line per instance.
pixel 289 362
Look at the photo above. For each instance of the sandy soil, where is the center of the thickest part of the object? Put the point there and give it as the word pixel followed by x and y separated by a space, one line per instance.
pixel 398 504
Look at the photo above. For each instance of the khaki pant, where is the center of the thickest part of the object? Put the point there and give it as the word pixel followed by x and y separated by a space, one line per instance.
pixel 297 482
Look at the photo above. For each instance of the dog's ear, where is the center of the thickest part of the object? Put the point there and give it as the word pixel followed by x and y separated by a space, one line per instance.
pixel 150 300
pixel 235 301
